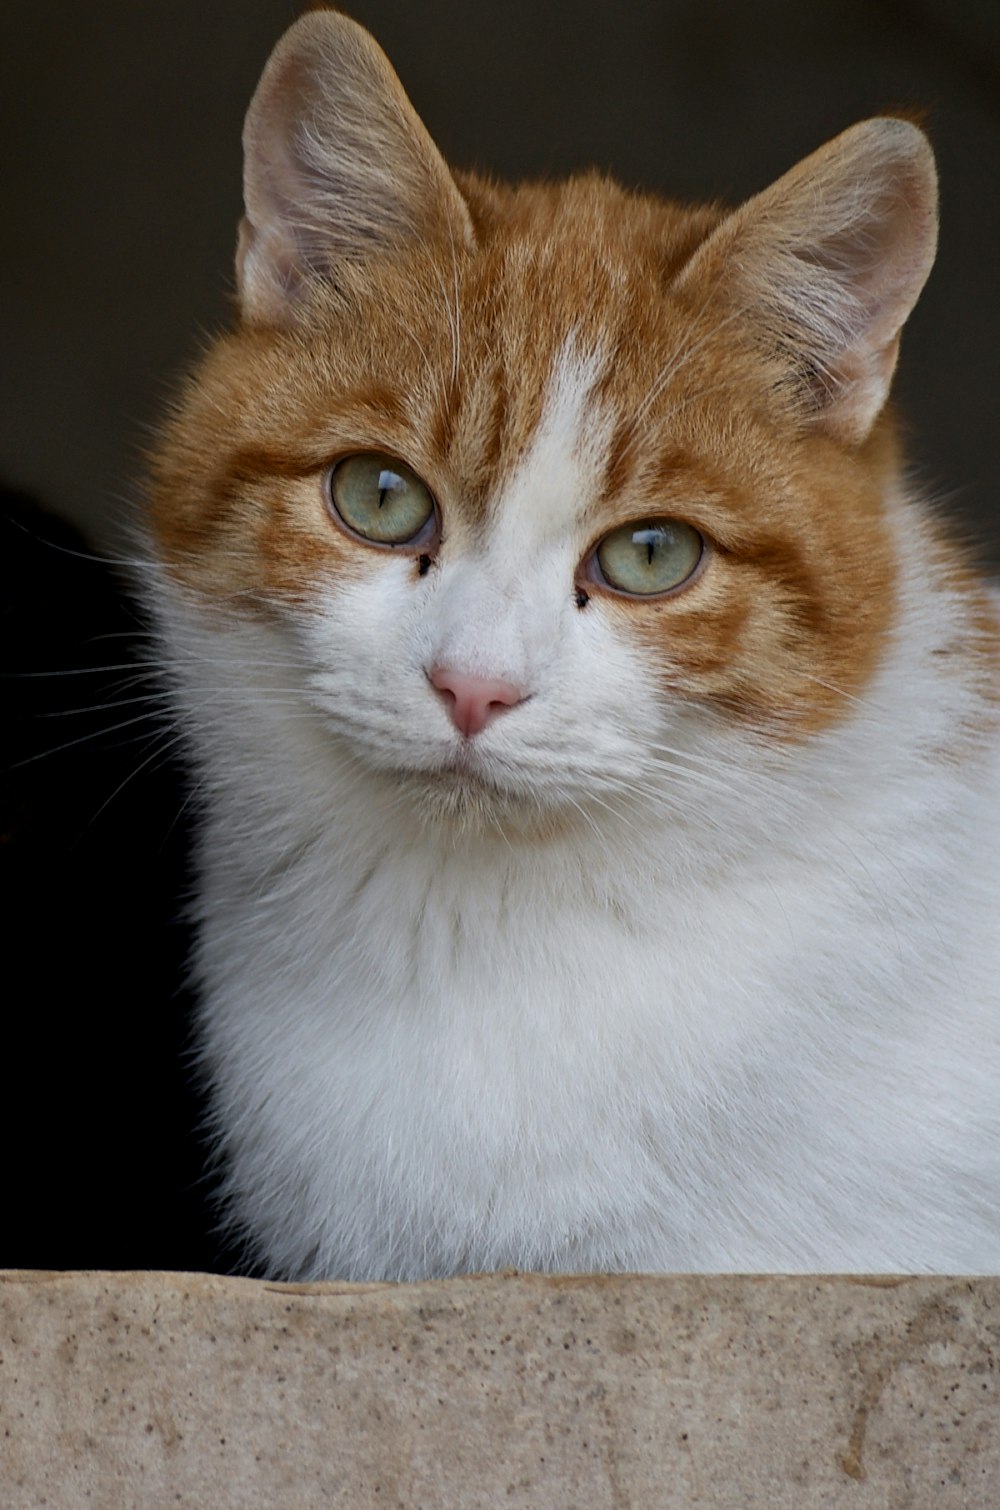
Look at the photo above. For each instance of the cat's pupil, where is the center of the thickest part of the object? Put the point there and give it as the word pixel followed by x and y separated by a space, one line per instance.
pixel 652 540
pixel 388 482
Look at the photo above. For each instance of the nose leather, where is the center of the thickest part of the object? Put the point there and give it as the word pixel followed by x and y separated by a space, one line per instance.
pixel 472 702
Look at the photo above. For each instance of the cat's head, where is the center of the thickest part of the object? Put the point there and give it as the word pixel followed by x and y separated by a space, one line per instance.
pixel 545 483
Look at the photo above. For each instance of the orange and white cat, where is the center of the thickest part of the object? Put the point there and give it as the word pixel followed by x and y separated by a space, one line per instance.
pixel 597 742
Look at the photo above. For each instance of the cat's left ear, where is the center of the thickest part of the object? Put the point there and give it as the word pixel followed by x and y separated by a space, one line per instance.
pixel 828 263
pixel 337 165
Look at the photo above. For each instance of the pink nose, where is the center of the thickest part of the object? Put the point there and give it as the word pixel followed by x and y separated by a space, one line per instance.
pixel 473 701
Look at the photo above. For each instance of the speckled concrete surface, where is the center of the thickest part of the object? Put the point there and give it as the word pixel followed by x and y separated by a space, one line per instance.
pixel 153 1390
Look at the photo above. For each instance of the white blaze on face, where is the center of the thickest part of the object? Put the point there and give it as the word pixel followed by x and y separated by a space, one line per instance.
pixel 499 604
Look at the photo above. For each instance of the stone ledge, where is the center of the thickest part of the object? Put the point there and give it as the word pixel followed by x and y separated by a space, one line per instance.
pixel 149 1390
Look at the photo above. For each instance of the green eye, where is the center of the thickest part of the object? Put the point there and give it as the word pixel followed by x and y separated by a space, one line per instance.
pixel 381 499
pixel 650 556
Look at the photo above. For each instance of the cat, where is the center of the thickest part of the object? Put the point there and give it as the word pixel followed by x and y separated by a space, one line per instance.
pixel 597 742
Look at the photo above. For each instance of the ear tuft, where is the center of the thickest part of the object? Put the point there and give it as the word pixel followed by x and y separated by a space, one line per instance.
pixel 828 263
pixel 337 165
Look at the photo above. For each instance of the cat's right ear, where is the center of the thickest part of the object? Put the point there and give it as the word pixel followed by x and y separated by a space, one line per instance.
pixel 337 165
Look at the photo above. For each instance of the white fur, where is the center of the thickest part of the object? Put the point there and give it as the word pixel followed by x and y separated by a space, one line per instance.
pixel 617 988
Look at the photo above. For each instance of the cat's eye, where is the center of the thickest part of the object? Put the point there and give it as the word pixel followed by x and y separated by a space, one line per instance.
pixel 381 500
pixel 648 557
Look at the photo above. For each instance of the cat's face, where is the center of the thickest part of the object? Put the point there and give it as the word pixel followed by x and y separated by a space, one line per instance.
pixel 546 487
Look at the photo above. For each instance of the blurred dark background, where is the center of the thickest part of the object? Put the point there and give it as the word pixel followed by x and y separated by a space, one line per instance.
pixel 121 173
pixel 120 177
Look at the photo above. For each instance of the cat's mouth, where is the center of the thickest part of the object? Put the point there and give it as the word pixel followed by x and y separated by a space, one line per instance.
pixel 466 770
pixel 470 788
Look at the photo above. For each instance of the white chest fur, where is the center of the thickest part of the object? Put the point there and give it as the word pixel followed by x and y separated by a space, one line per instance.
pixel 628 1044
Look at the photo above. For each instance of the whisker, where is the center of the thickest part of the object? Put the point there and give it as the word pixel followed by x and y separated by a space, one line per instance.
pixel 137 666
pixel 161 753
pixel 81 740
pixel 156 698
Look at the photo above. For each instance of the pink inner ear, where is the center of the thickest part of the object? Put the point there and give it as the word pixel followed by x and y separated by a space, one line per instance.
pixel 472 702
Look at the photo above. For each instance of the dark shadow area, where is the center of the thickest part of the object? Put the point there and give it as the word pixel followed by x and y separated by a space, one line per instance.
pixel 104 1165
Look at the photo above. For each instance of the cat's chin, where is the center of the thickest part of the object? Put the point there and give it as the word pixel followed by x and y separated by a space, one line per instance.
pixel 466 798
